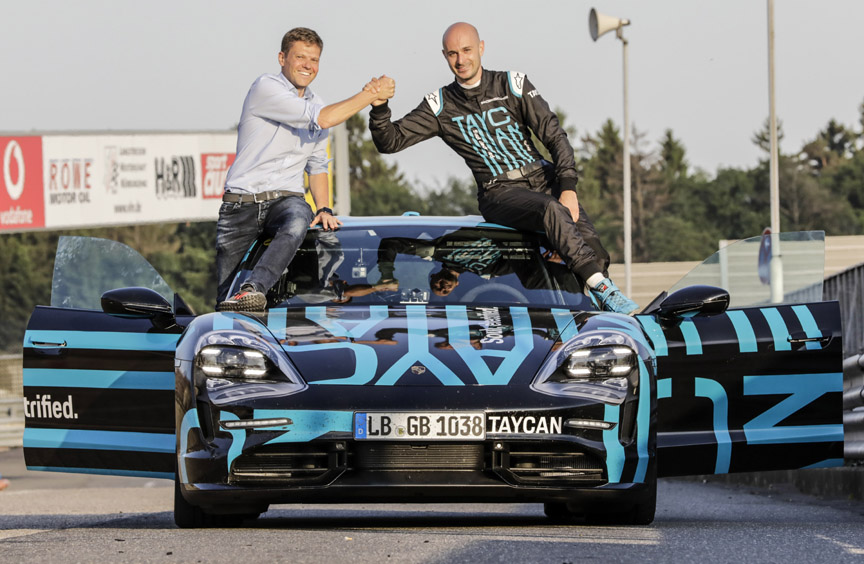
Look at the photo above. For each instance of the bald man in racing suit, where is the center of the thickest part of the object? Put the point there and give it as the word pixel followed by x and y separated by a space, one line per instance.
pixel 487 117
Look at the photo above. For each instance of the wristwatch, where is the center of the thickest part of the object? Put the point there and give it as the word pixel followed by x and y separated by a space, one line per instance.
pixel 328 210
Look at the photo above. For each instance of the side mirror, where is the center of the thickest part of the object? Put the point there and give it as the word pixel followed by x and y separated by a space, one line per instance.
pixel 140 303
pixel 694 300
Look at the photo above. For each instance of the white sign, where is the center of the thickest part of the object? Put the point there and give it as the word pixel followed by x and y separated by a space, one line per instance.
pixel 94 180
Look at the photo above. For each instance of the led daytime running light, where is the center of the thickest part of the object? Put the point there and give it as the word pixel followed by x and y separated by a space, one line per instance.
pixel 246 424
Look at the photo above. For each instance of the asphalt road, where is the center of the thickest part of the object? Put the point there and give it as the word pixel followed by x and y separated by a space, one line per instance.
pixel 53 517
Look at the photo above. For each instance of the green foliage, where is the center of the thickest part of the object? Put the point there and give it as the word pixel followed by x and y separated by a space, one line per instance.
pixel 457 197
pixel 377 188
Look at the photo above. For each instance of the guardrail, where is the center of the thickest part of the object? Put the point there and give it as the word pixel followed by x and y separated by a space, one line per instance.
pixel 847 287
pixel 11 422
pixel 853 407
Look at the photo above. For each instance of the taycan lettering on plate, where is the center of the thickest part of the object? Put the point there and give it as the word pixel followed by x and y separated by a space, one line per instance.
pixel 527 424
pixel 436 426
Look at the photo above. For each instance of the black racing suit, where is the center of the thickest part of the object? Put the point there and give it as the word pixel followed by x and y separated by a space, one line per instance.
pixel 490 127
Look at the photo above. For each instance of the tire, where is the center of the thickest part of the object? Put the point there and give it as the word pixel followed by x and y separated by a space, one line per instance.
pixel 557 512
pixel 641 513
pixel 188 516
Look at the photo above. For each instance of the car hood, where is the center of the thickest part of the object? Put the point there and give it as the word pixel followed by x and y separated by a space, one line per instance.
pixel 420 345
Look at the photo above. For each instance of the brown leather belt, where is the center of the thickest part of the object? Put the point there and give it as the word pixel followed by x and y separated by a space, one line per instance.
pixel 234 197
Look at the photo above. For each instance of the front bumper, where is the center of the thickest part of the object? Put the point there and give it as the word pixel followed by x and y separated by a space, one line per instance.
pixel 493 471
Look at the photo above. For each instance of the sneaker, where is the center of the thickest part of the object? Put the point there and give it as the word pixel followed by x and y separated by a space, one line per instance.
pixel 247 299
pixel 4 483
pixel 612 299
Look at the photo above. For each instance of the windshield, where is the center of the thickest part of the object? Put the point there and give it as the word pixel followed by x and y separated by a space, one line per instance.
pixel 87 267
pixel 425 264
pixel 779 268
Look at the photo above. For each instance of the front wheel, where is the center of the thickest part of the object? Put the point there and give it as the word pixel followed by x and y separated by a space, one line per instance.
pixel 641 513
pixel 188 516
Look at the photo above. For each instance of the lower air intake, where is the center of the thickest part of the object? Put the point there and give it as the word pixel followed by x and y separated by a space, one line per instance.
pixel 389 456
pixel 290 464
pixel 540 463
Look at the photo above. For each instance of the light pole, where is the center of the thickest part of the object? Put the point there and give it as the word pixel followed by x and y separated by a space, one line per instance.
pixel 777 292
pixel 598 24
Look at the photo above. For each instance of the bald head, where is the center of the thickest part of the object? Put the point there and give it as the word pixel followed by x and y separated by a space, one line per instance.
pixel 463 49
pixel 459 29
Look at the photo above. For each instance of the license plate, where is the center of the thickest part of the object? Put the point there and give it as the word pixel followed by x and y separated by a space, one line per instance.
pixel 426 426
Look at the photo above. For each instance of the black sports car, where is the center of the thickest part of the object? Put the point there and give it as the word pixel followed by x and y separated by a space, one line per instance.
pixel 432 359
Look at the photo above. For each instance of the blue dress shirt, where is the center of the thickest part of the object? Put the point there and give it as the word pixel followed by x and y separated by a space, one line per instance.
pixel 278 138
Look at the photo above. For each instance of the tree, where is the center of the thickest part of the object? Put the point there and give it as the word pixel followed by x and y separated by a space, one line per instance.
pixel 673 163
pixel 600 185
pixel 377 188
pixel 456 197
pixel 762 138
pixel 832 146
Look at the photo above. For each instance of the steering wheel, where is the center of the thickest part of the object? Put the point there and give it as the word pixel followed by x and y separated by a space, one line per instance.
pixel 473 293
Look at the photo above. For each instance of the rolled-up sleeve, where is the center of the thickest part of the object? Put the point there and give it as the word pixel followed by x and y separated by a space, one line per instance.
pixel 269 99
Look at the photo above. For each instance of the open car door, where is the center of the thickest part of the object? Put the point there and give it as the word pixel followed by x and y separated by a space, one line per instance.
pixel 99 387
pixel 757 387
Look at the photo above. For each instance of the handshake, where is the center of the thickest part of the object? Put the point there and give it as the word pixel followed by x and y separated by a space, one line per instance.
pixel 383 87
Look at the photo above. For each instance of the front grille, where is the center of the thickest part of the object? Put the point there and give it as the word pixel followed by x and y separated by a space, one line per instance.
pixel 397 456
pixel 291 464
pixel 529 463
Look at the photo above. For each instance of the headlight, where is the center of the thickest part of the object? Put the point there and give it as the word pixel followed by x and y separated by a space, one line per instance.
pixel 596 366
pixel 229 373
pixel 607 364
pixel 234 362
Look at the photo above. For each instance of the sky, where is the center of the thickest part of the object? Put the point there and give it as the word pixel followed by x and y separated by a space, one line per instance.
pixel 699 68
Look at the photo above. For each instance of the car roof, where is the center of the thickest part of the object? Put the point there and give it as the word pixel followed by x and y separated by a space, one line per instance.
pixel 412 218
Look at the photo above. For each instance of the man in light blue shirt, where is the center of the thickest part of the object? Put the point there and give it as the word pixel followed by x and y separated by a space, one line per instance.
pixel 282 134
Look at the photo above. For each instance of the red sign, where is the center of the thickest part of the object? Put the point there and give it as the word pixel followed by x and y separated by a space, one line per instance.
pixel 22 198
pixel 214 169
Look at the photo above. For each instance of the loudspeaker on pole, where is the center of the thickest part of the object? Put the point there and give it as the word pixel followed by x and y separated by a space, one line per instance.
pixel 599 23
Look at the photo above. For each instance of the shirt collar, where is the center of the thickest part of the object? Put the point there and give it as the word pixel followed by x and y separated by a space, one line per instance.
pixel 307 94
pixel 477 90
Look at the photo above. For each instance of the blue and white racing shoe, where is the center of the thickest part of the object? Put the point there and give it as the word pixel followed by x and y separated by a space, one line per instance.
pixel 612 299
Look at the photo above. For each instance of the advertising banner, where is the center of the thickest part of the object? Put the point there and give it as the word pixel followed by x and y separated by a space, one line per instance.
pixel 127 179
pixel 85 180
pixel 21 192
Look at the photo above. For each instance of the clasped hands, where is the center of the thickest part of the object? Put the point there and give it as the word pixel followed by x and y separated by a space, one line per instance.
pixel 383 87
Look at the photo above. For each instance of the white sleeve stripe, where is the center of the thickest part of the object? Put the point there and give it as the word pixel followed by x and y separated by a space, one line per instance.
pixel 517 80
pixel 435 101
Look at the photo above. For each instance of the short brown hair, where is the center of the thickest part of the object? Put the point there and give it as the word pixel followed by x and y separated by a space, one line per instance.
pixel 301 34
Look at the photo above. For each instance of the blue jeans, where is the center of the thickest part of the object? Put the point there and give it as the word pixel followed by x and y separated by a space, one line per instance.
pixel 285 219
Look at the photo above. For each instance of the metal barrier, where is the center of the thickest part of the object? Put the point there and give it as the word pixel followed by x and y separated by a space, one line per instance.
pixel 847 287
pixel 853 407
pixel 11 422
pixel 11 402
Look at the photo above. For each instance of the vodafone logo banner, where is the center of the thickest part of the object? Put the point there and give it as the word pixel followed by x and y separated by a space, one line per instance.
pixel 22 204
